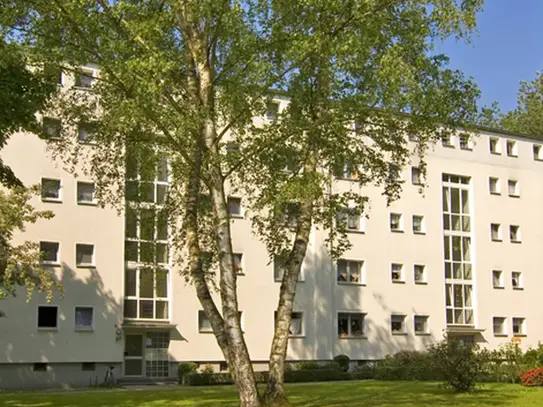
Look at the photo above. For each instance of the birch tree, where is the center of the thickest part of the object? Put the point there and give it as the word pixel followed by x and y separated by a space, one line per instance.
pixel 182 79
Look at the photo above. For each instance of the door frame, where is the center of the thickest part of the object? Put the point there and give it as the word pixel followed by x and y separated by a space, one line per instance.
pixel 141 358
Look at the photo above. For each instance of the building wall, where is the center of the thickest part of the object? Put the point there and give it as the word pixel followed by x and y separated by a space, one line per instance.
pixel 319 296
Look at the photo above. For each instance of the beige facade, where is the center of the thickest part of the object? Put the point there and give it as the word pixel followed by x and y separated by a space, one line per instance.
pixel 389 293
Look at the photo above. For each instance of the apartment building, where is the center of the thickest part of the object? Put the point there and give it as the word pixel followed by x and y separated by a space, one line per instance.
pixel 458 258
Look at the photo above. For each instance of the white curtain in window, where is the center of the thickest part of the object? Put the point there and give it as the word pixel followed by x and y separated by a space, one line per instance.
pixel 83 317
pixel 296 325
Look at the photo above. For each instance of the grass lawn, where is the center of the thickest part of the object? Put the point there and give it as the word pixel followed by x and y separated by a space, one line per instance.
pixel 341 394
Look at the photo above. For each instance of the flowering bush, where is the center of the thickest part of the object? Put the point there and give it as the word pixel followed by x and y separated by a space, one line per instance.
pixel 532 377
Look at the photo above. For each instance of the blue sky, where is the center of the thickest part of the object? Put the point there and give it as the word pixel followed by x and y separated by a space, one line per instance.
pixel 507 49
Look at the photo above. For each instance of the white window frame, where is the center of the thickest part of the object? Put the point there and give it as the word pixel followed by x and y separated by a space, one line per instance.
pixel 515 230
pixel 82 202
pixel 400 227
pixel 501 281
pixel 276 110
pixel 403 318
pixel 516 188
pixel 56 119
pixel 47 199
pixel 84 71
pixel 447 140
pixel 424 275
pixel 513 151
pixel 202 314
pixel 302 324
pixel 83 328
pixel 402 273
pixel 496 182
pixel 422 230
pixel 537 150
pixel 498 149
pixel 503 332
pixel 349 334
pixel 279 277
pixel 499 238
pixel 465 144
pixel 518 275
pixel 347 281
pixel 239 266
pixel 416 176
pixel 93 263
pixel 86 127
pixel 51 262
pixel 345 215
pixel 46 328
pixel 155 297
pixel 241 211
pixel 523 329
pixel 426 331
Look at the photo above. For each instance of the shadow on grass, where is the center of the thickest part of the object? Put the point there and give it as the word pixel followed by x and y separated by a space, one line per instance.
pixel 341 394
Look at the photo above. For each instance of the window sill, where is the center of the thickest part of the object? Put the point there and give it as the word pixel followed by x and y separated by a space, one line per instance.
pixel 516 241
pixel 354 231
pixel 240 274
pixel 500 335
pixel 205 332
pixel 495 193
pixel 51 200
pixel 349 283
pixel 418 184
pixel 353 337
pixel 518 288
pixel 280 281
pixel 498 287
pixel 514 196
pixel 497 240
pixel 495 153
pixel 47 329
pixel 236 216
pixel 538 159
pixel 85 266
pixel 345 179
pixel 422 333
pixel 520 335
pixel 296 336
pixel 421 282
pixel 50 263
pixel 398 282
pixel 87 203
pixel 466 148
pixel 512 155
pixel 447 145
pixel 82 87
pixel 399 333
pixel 396 231
pixel 419 233
pixel 84 329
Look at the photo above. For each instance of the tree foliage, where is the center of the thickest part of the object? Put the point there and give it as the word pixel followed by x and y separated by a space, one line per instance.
pixel 185 80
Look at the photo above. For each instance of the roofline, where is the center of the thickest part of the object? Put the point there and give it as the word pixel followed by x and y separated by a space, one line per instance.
pixel 507 132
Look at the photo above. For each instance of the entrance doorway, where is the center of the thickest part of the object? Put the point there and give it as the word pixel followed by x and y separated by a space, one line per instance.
pixel 146 354
pixel 133 355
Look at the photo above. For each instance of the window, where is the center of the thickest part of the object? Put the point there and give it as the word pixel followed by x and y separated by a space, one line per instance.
pixel 146 233
pixel 349 219
pixel 296 328
pixel 52 127
pixel 394 173
pixel 420 273
pixel 421 324
pixel 511 147
pixel 147 177
pixel 234 206
pixel 494 144
pixel 272 110
pixel 88 366
pixel 345 170
pixel 494 185
pixel 85 133
pixel 418 224
pixel 538 156
pixel 146 293
pixel 519 326
pixel 416 176
pixel 397 324
pixel 514 233
pixel 53 73
pixel 49 252
pixel 84 78
pixel 458 301
pixel 350 325
pixel 498 326
pixel 50 189
pixel 496 232
pixel 84 255
pixel 39 367
pixel 413 137
pixel 278 264
pixel 516 280
pixel 497 279
pixel 397 273
pixel 84 318
pixel 85 193
pixel 465 142
pixel 446 140
pixel 238 263
pixel 349 271
pixel 513 188
pixel 203 323
pixel 396 222
pixel 47 317
pixel 290 214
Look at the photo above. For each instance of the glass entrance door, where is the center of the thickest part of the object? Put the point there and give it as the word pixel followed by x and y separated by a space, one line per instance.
pixel 133 355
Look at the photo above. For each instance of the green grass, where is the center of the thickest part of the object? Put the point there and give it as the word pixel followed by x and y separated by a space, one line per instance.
pixel 341 394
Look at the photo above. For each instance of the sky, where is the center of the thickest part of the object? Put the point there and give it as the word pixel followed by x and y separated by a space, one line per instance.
pixel 507 49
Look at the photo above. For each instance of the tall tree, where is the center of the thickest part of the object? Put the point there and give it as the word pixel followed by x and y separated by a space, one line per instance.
pixel 183 79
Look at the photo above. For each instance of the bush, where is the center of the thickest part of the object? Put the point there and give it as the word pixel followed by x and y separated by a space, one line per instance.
pixel 459 365
pixel 185 368
pixel 332 366
pixel 406 365
pixel 207 369
pixel 533 358
pixel 532 377
pixel 210 379
pixel 307 365
pixel 343 361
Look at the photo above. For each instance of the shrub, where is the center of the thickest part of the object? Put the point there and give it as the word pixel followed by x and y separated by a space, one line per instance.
pixel 460 365
pixel 532 377
pixel 185 368
pixel 207 369
pixel 533 358
pixel 343 361
pixel 308 365
pixel 406 365
pixel 332 366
